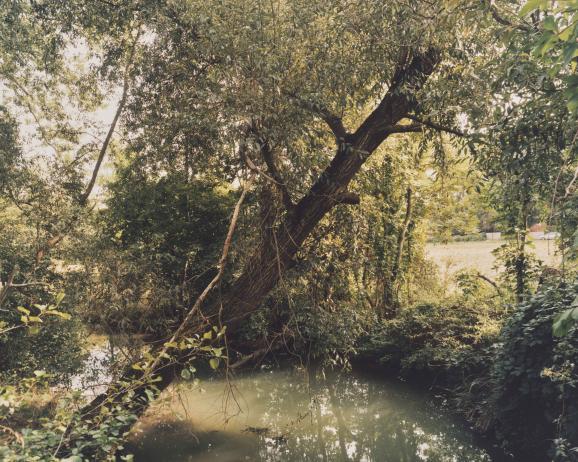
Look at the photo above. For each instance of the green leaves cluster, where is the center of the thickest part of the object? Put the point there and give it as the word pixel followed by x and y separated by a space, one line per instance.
pixel 555 41
pixel 535 378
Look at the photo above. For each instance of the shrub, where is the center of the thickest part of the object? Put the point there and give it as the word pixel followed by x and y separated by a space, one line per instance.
pixel 469 238
pixel 535 379
pixel 448 342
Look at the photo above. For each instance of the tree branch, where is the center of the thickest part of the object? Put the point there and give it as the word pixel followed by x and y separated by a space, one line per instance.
pixel 436 126
pixel 349 198
pixel 409 76
pixel 399 128
pixel 333 121
pixel 402 235
pixel 7 286
pixel 54 240
pixel 502 20
pixel 489 281
pixel 112 128
pixel 267 154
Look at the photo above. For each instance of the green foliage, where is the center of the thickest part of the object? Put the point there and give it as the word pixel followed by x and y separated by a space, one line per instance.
pixel 521 268
pixel 159 241
pixel 36 331
pixel 534 379
pixel 564 321
pixel 554 41
pixel 450 341
pixel 454 197
pixel 470 238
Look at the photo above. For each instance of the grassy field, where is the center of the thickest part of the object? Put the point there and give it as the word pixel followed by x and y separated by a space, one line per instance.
pixel 457 256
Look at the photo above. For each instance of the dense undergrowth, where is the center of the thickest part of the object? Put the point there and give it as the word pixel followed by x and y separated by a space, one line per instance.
pixel 502 368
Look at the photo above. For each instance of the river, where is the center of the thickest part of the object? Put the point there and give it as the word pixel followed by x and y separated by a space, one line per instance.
pixel 273 415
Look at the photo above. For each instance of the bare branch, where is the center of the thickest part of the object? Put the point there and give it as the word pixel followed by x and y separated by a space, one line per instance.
pixel 250 357
pixel 28 284
pixel 569 187
pixel 274 175
pixel 402 234
pixel 7 286
pixel 489 281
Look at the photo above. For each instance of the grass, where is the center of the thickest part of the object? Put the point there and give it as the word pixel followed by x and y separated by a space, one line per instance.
pixel 456 256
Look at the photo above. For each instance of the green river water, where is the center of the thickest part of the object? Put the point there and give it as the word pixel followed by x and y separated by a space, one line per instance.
pixel 285 416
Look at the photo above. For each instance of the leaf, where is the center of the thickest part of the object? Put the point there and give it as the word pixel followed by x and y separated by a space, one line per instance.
pixel 208 335
pixel 60 314
pixel 564 321
pixel 186 374
pixel 218 352
pixel 34 319
pixel 545 44
pixel 569 53
pixel 34 330
pixel 573 104
pixel 72 459
pixel 214 363
pixel 150 394
pixel 23 310
pixel 565 34
pixel 59 298
pixel 549 23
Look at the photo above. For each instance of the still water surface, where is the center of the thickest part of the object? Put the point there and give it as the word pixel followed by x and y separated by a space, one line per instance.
pixel 272 416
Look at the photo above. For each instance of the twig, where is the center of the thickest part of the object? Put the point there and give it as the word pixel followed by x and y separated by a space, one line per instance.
pixel 489 281
pixel 185 324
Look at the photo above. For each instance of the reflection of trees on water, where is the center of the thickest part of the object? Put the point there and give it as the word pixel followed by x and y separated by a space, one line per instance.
pixel 302 418
pixel 348 419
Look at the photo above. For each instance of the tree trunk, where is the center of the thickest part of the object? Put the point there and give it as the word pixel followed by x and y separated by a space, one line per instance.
pixel 390 296
pixel 275 253
pixel 521 265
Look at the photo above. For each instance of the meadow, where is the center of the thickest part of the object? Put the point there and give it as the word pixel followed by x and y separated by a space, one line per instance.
pixel 457 256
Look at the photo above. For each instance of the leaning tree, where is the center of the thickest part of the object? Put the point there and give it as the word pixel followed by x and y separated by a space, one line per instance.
pixel 291 97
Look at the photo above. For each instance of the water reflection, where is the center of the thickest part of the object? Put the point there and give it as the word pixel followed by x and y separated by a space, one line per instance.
pixel 289 416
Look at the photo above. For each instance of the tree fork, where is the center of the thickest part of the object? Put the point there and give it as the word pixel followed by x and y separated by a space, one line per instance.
pixel 268 263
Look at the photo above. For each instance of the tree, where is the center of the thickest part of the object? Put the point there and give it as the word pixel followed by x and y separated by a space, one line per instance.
pixel 272 90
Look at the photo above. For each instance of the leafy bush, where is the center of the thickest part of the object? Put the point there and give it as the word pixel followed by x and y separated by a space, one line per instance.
pixel 535 380
pixel 48 343
pixel 159 242
pixel 449 342
pixel 469 238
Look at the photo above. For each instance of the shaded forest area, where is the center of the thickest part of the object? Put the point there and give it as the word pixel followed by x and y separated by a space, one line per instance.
pixel 213 185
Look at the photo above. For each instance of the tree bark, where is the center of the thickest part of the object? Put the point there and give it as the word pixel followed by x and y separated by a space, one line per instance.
pixel 275 253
